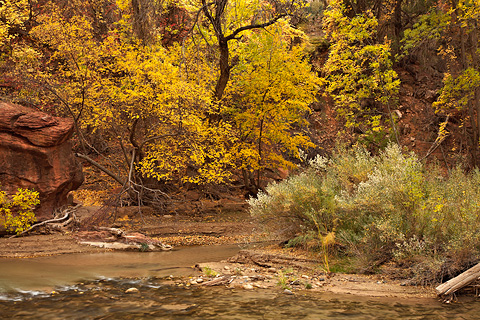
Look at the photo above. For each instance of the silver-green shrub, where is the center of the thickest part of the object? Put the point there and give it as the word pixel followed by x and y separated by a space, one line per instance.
pixel 385 208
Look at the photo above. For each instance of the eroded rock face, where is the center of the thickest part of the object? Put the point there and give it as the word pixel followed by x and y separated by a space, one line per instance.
pixel 35 152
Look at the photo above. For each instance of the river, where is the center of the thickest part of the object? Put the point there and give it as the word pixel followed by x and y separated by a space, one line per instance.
pixel 92 286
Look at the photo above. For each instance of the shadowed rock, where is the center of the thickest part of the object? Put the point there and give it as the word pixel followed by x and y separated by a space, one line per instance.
pixel 35 153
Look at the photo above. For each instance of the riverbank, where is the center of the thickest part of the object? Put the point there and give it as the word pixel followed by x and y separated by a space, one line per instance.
pixel 264 267
pixel 282 271
pixel 252 269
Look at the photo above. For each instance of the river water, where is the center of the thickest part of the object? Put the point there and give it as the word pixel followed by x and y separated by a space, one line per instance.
pixel 92 286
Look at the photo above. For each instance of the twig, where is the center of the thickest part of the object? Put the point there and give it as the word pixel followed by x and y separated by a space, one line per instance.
pixel 437 142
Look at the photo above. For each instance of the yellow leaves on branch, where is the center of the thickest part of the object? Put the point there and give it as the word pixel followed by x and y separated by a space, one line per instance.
pixel 16 212
pixel 13 14
pixel 160 99
pixel 358 67
pixel 272 87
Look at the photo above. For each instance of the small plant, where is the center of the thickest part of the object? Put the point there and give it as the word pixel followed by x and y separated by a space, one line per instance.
pixel 16 212
pixel 144 247
pixel 209 272
pixel 238 272
pixel 308 285
pixel 327 241
pixel 283 281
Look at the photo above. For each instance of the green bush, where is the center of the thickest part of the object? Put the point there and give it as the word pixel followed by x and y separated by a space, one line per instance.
pixel 16 212
pixel 385 208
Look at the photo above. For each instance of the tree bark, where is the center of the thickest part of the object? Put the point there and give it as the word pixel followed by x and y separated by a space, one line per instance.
pixel 215 18
pixel 460 281
pixel 224 68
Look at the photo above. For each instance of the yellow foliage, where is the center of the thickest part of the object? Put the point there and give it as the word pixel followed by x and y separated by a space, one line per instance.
pixel 13 14
pixel 271 90
pixel 16 212
pixel 157 102
pixel 358 68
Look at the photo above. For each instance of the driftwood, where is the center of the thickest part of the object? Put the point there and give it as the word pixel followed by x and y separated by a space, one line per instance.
pixel 223 280
pixel 69 217
pixel 121 240
pixel 453 285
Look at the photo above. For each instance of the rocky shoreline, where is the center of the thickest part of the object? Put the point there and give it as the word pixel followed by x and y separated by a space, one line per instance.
pixel 293 275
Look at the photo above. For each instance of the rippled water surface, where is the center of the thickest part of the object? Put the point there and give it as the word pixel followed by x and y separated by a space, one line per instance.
pixel 106 299
pixel 26 285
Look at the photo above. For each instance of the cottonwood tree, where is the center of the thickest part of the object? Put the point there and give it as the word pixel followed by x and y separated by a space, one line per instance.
pixel 264 84
pixel 230 19
pixel 139 95
pixel 269 97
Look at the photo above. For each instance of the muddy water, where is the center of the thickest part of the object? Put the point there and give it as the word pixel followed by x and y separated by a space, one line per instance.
pixel 93 287
pixel 44 273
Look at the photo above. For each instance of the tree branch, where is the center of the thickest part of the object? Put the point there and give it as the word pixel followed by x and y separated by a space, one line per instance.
pixel 157 137
pixel 68 212
pixel 99 166
pixel 254 26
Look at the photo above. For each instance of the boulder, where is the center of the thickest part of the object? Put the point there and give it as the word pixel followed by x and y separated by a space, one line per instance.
pixel 36 153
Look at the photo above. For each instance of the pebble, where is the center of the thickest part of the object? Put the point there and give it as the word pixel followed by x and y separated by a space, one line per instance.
pixel 199 280
pixel 132 290
pixel 226 268
pixel 304 276
pixel 287 291
pixel 272 270
pixel 177 307
pixel 247 286
pixel 295 282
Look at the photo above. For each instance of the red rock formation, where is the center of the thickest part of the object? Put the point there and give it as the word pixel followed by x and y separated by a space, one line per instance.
pixel 35 153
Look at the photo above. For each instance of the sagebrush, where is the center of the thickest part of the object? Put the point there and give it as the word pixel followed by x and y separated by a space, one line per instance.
pixel 385 208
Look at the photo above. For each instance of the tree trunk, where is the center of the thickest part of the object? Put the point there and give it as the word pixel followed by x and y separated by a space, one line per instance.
pixel 224 68
pixel 397 23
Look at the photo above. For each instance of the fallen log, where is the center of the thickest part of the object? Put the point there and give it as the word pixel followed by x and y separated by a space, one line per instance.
pixel 462 280
pixel 120 239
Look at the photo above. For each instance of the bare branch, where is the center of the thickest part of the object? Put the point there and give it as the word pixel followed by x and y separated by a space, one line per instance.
pixel 99 166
